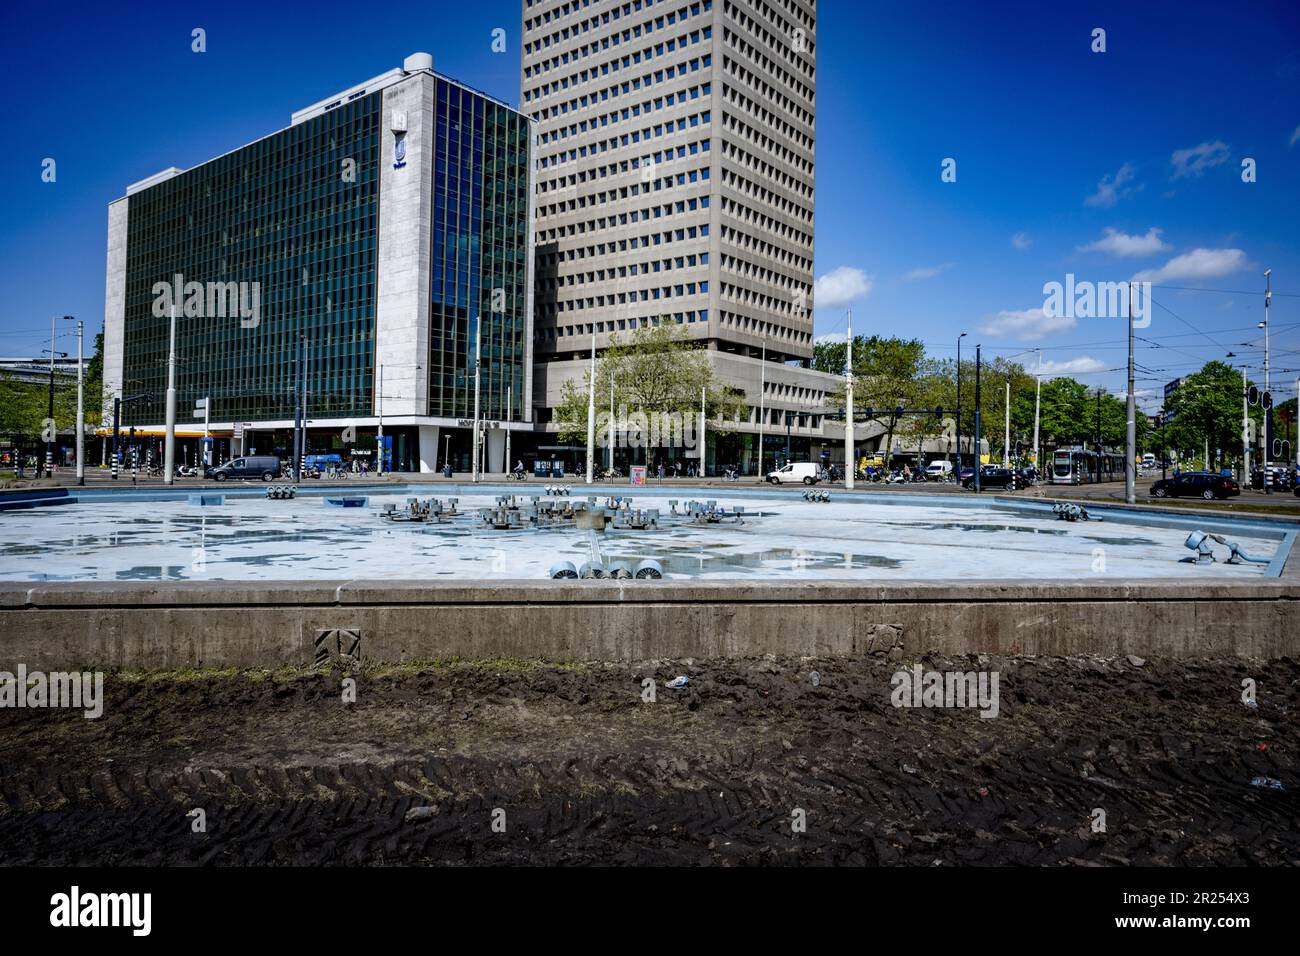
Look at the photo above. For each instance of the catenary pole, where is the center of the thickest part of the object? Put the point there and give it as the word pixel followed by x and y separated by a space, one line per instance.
pixel 849 463
pixel 1130 434
pixel 591 413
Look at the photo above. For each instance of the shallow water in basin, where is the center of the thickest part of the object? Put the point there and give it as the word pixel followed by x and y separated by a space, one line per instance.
pixel 304 539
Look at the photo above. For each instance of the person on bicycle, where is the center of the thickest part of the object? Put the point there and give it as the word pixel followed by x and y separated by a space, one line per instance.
pixel 519 468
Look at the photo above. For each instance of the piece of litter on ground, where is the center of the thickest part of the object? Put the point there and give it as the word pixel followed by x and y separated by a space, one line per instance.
pixel 677 683
pixel 420 813
pixel 1267 783
pixel 815 678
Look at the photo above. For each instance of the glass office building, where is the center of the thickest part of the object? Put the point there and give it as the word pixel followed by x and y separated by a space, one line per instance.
pixel 480 255
pixel 363 256
pixel 279 216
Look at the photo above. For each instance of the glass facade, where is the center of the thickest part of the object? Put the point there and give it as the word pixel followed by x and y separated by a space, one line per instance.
pixel 292 222
pixel 480 255
pixel 294 216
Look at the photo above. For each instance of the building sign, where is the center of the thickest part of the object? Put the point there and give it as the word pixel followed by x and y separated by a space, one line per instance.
pixel 638 476
pixel 399 150
pixel 469 423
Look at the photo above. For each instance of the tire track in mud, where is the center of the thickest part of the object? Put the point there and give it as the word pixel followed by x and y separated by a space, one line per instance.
pixel 587 774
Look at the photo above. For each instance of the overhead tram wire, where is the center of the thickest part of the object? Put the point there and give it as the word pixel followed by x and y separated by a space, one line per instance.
pixel 1180 288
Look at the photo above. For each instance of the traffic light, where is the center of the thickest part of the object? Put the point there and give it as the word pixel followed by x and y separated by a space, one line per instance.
pixel 898 411
pixel 1020 449
pixel 1266 400
pixel 938 411
pixel 1252 395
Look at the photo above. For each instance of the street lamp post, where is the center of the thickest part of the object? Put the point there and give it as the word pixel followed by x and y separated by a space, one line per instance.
pixel 1038 401
pixel 81 415
pixel 958 466
pixel 169 442
pixel 591 413
pixel 1130 429
pixel 300 409
pixel 50 432
pixel 848 418
pixel 1245 428
pixel 978 423
pixel 704 441
pixel 1006 435
pixel 379 438
pixel 81 412
pixel 1244 476
pixel 762 407
pixel 1098 447
pixel 1268 412
pixel 478 380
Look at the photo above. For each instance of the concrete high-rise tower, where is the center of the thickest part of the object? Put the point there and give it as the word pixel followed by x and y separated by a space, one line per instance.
pixel 674 183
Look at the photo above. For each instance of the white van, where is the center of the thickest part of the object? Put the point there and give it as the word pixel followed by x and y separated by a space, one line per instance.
pixel 938 470
pixel 806 471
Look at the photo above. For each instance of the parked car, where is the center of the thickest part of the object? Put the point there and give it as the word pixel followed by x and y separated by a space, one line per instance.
pixel 938 470
pixel 992 476
pixel 265 467
pixel 808 472
pixel 1196 484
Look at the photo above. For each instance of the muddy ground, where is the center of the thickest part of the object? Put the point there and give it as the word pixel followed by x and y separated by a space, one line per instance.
pixel 587 772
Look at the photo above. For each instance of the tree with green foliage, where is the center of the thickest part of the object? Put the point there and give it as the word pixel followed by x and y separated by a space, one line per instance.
pixel 887 374
pixel 656 370
pixel 830 357
pixel 1206 407
pixel 24 404
pixel 934 388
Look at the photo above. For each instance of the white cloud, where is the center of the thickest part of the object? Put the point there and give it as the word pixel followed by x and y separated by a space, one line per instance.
pixel 1075 366
pixel 840 287
pixel 1021 240
pixel 1025 324
pixel 831 338
pixel 1197 264
pixel 1113 188
pixel 1197 159
pixel 1118 243
pixel 1295 137
pixel 926 272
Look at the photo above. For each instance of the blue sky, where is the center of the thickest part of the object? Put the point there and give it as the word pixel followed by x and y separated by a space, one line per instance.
pixel 1104 165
